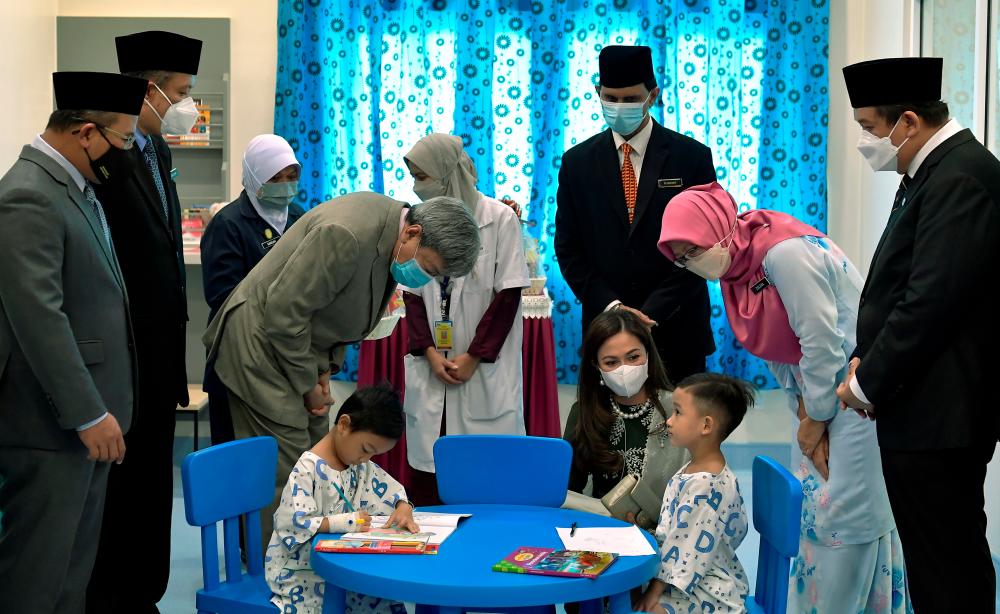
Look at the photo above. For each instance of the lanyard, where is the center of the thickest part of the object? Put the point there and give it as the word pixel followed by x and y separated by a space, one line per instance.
pixel 445 299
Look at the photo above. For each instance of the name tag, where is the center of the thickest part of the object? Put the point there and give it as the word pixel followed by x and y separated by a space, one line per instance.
pixel 443 335
pixel 758 287
pixel 670 183
pixel 266 245
pixel 173 174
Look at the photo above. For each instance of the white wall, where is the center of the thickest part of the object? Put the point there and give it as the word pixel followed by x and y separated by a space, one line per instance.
pixel 253 57
pixel 27 60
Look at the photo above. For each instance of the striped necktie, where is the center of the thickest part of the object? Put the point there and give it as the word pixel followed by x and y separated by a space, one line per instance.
pixel 88 193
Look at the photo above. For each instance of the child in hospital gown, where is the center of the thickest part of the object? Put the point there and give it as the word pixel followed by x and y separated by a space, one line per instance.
pixel 319 498
pixel 702 519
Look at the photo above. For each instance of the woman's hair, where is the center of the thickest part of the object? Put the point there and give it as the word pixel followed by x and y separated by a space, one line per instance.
pixel 375 409
pixel 726 397
pixel 595 417
pixel 450 230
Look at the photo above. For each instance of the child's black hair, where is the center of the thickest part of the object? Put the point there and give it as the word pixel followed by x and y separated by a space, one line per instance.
pixel 729 396
pixel 375 409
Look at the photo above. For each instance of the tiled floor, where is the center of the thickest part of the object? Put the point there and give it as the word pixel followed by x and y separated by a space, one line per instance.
pixel 766 430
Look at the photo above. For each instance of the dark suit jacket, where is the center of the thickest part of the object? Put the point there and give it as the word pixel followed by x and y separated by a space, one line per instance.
pixel 233 244
pixel 151 254
pixel 927 334
pixel 65 342
pixel 604 259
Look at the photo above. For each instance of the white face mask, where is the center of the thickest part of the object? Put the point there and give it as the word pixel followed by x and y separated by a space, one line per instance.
pixel 712 263
pixel 626 380
pixel 179 118
pixel 880 152
pixel 429 188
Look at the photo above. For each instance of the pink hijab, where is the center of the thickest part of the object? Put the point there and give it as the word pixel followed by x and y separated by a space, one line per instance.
pixel 703 215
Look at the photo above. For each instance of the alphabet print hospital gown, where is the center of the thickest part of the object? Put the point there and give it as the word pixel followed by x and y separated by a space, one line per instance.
pixel 313 492
pixel 702 522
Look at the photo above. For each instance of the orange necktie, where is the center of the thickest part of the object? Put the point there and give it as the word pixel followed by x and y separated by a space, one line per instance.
pixel 628 181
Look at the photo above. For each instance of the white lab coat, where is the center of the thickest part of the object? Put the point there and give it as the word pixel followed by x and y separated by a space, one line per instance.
pixel 491 402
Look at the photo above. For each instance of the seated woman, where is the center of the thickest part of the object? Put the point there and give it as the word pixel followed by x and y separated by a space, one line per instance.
pixel 463 370
pixel 617 426
pixel 791 298
pixel 238 237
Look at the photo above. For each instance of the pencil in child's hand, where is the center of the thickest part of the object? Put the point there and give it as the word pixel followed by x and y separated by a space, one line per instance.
pixel 360 520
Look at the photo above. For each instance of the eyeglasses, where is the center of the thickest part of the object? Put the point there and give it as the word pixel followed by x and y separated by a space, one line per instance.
pixel 127 139
pixel 681 261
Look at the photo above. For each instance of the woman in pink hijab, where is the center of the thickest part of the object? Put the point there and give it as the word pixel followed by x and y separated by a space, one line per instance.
pixel 791 297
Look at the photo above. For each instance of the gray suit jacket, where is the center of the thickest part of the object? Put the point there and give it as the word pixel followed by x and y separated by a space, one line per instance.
pixel 65 339
pixel 322 287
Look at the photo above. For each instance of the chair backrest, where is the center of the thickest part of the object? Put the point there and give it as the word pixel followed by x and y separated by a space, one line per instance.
pixel 510 469
pixel 777 512
pixel 225 482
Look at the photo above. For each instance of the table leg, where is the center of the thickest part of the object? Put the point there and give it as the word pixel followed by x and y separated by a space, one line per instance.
pixel 334 599
pixel 196 431
pixel 621 603
pixel 593 606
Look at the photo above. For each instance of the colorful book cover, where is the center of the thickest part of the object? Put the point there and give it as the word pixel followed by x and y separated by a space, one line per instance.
pixel 374 546
pixel 551 562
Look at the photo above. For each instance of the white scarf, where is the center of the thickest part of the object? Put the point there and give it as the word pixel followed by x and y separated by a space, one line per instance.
pixel 266 156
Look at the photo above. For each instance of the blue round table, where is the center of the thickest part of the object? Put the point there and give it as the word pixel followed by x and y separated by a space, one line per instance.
pixel 460 576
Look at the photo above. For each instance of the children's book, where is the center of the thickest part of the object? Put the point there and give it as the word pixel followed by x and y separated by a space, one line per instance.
pixel 551 562
pixel 435 527
pixel 416 546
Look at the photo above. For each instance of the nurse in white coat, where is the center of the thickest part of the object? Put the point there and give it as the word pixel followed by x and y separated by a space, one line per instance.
pixel 463 370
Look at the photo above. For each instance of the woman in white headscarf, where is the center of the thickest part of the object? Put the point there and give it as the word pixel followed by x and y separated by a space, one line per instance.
pixel 463 370
pixel 239 235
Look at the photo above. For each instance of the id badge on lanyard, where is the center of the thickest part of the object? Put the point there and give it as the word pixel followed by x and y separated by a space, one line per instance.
pixel 444 330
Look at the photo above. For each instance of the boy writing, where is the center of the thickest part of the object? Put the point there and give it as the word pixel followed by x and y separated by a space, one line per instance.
pixel 336 488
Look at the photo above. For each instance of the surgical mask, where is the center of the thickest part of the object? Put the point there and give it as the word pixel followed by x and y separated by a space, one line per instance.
pixel 428 189
pixel 712 263
pixel 624 117
pixel 277 195
pixel 112 167
pixel 409 273
pixel 179 118
pixel 626 380
pixel 880 153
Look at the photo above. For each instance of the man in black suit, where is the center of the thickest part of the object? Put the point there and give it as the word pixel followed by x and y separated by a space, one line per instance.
pixel 926 337
pixel 144 216
pixel 613 189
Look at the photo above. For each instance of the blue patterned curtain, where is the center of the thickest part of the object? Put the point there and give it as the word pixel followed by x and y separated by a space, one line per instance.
pixel 360 82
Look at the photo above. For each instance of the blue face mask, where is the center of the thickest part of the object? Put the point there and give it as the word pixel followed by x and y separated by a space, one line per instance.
pixel 277 195
pixel 624 117
pixel 410 273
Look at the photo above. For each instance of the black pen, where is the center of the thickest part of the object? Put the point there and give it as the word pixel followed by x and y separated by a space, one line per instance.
pixel 572 530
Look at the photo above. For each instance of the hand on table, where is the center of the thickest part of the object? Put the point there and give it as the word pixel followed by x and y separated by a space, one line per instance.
pixel 104 441
pixel 465 365
pixel 441 367
pixel 402 517
pixel 362 522
pixel 848 398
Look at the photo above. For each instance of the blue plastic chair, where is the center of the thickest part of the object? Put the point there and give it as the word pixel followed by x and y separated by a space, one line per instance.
pixel 490 469
pixel 777 512
pixel 225 482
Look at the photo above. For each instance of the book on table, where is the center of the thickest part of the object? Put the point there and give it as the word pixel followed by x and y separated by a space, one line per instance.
pixel 434 528
pixel 358 546
pixel 552 562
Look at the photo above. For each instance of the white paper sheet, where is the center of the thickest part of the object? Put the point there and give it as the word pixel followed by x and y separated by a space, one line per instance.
pixel 624 541
pixel 430 519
